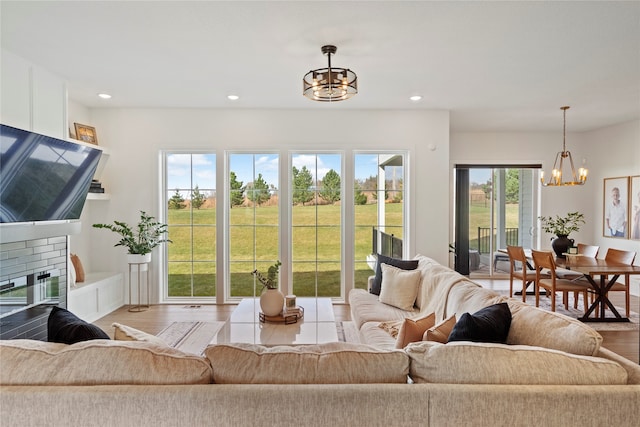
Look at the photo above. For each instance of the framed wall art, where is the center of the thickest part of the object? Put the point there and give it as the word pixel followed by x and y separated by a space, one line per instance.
pixel 634 204
pixel 615 213
pixel 86 133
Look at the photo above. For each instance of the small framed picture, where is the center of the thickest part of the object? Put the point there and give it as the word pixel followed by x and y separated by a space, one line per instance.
pixel 634 198
pixel 86 133
pixel 615 218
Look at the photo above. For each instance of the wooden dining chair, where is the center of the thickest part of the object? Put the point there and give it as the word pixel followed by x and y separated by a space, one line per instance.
pixel 544 260
pixel 622 257
pixel 520 271
pixel 590 251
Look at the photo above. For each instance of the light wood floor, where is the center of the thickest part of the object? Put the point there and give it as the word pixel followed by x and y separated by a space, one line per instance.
pixel 158 317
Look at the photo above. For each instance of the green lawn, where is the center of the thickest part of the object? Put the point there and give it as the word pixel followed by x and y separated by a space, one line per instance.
pixel 316 247
pixel 310 268
pixel 480 216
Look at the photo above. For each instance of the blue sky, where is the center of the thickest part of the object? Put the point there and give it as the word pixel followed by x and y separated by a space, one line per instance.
pixel 248 166
pixel 479 176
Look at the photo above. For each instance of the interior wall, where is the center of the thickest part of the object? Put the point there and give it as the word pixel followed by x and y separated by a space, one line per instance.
pixel 135 138
pixel 614 152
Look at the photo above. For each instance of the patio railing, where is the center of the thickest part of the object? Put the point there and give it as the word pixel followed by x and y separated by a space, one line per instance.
pixel 484 237
pixel 386 244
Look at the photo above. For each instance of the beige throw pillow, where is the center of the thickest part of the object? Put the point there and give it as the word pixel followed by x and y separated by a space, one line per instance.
pixel 399 287
pixel 440 332
pixel 412 330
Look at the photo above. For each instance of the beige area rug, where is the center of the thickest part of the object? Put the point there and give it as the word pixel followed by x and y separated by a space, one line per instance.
pixel 190 337
pixel 545 304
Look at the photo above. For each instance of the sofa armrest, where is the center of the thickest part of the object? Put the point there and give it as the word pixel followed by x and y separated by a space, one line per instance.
pixel 370 283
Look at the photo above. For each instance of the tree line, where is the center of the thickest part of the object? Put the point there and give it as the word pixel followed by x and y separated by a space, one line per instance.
pixel 259 192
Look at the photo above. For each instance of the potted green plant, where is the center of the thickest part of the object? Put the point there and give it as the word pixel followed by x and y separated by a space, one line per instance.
pixel 271 299
pixel 140 241
pixel 561 227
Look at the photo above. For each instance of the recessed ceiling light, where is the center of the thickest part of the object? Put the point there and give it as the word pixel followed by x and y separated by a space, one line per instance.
pixel 104 95
pixel 233 97
pixel 415 98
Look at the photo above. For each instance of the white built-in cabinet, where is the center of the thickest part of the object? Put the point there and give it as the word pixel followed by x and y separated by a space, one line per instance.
pixel 97 296
pixel 32 98
pixel 36 99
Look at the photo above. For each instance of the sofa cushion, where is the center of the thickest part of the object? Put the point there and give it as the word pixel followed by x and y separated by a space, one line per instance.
pixel 330 363
pixel 373 335
pixel 441 331
pixel 67 328
pixel 490 363
pixel 127 333
pixel 399 287
pixel 410 264
pixel 98 362
pixel 490 324
pixel 365 307
pixel 412 330
pixel 537 327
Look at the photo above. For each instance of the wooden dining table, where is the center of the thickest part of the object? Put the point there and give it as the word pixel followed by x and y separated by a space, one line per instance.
pixel 602 275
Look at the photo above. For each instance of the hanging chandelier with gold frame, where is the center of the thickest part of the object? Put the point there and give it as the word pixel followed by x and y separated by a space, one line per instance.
pixel 557 175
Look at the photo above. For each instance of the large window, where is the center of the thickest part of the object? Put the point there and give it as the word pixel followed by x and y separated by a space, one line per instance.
pixel 378 198
pixel 254 218
pixel 316 224
pixel 191 215
pixel 324 215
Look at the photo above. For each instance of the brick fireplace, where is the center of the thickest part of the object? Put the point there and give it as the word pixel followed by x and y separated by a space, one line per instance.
pixel 33 278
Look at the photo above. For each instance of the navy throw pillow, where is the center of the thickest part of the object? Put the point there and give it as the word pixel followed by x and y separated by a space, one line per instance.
pixel 490 324
pixel 67 328
pixel 410 264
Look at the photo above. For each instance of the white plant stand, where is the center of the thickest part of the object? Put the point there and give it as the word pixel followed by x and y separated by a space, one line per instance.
pixel 140 267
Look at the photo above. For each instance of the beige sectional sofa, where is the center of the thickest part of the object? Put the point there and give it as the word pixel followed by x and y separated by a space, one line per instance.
pixel 553 372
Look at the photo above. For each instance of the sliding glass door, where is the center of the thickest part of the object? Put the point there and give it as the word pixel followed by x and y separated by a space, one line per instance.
pixel 496 206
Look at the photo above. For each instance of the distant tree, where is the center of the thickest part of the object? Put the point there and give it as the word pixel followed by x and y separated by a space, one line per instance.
pixel 370 184
pixel 259 192
pixel 236 190
pixel 302 181
pixel 176 201
pixel 512 186
pixel 197 198
pixel 359 198
pixel 330 190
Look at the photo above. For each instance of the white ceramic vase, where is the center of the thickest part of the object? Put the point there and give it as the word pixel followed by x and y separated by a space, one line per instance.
pixel 271 302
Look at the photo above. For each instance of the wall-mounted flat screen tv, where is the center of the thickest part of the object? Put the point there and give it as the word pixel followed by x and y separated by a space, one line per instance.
pixel 43 178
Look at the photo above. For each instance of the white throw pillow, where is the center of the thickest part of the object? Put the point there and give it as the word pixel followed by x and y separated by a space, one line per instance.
pixel 399 287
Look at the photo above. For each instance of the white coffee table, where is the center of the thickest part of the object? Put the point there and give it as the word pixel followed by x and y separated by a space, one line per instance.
pixel 317 326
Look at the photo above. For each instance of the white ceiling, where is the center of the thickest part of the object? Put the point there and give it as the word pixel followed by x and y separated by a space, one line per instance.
pixel 497 66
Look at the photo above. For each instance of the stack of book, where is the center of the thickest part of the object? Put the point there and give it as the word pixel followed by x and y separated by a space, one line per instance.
pixel 290 311
pixel 96 187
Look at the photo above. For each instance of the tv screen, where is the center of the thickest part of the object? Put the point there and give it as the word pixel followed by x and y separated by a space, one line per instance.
pixel 43 178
